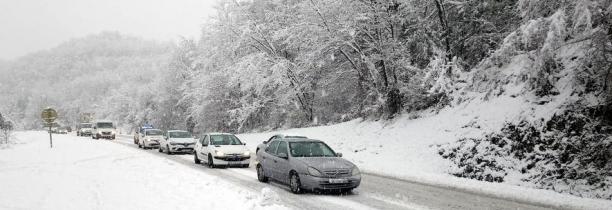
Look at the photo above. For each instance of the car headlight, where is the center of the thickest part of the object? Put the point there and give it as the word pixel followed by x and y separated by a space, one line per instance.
pixel 314 172
pixel 247 153
pixel 355 171
pixel 219 153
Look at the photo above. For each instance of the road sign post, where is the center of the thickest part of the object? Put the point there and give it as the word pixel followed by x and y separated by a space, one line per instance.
pixel 49 115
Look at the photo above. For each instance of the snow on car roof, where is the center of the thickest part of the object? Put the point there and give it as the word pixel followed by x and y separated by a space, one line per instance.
pixel 291 135
pixel 219 133
pixel 301 139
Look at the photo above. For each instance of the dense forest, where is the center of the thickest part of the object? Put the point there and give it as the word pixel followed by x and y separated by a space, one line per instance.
pixel 271 64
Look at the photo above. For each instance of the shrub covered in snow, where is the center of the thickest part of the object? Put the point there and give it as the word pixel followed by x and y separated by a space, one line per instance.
pixel 570 153
pixel 6 128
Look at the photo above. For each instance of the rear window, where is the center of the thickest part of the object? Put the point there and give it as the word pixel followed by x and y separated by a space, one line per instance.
pixel 86 125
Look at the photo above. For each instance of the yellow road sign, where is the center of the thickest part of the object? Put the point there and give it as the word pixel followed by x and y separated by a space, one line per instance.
pixel 49 115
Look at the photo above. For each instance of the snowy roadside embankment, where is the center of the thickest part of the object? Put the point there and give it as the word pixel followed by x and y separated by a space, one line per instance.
pixel 79 173
pixel 406 148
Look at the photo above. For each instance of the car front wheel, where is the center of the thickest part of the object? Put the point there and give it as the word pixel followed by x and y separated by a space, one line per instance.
pixel 211 164
pixel 168 152
pixel 195 158
pixel 295 184
pixel 260 174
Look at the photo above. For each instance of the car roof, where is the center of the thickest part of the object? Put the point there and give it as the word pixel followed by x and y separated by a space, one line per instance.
pixel 218 134
pixel 177 131
pixel 290 135
pixel 301 140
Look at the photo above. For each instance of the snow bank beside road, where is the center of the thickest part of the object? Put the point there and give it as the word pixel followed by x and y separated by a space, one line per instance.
pixel 80 173
pixel 405 148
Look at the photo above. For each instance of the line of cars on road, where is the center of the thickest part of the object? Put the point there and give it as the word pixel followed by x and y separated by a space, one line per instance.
pixel 297 161
pixel 102 129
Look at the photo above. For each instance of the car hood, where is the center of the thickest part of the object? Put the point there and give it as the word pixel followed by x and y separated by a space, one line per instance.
pixel 181 140
pixel 230 149
pixel 105 129
pixel 323 163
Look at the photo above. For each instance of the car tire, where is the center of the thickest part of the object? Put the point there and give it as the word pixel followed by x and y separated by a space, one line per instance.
pixel 160 150
pixel 260 174
pixel 168 152
pixel 196 160
pixel 211 163
pixel 295 184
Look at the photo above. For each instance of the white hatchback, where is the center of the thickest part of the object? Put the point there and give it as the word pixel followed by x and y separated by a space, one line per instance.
pixel 150 138
pixel 177 141
pixel 221 149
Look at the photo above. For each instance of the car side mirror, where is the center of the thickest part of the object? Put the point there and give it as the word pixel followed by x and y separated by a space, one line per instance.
pixel 95 127
pixel 339 154
pixel 283 155
pixel 243 143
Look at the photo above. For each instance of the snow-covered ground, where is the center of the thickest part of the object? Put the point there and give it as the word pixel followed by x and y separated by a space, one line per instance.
pixel 82 174
pixel 406 148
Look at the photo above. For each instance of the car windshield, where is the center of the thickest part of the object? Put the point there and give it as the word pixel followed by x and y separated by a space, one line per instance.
pixel 104 125
pixel 179 134
pixel 224 140
pixel 310 149
pixel 86 125
pixel 153 132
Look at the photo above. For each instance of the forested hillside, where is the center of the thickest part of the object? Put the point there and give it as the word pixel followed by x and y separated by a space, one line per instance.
pixel 102 73
pixel 271 64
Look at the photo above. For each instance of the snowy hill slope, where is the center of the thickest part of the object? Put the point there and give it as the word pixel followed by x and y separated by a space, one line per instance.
pixel 407 148
pixel 536 113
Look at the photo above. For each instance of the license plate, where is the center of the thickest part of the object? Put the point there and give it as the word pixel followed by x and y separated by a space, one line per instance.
pixel 338 181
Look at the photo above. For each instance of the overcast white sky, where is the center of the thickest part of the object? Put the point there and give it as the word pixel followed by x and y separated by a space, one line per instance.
pixel 28 26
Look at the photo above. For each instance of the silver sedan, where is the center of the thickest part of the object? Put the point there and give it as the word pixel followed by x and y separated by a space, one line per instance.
pixel 306 164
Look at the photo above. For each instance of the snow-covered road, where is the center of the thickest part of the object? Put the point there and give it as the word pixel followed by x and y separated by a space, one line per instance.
pixel 81 173
pixel 376 192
